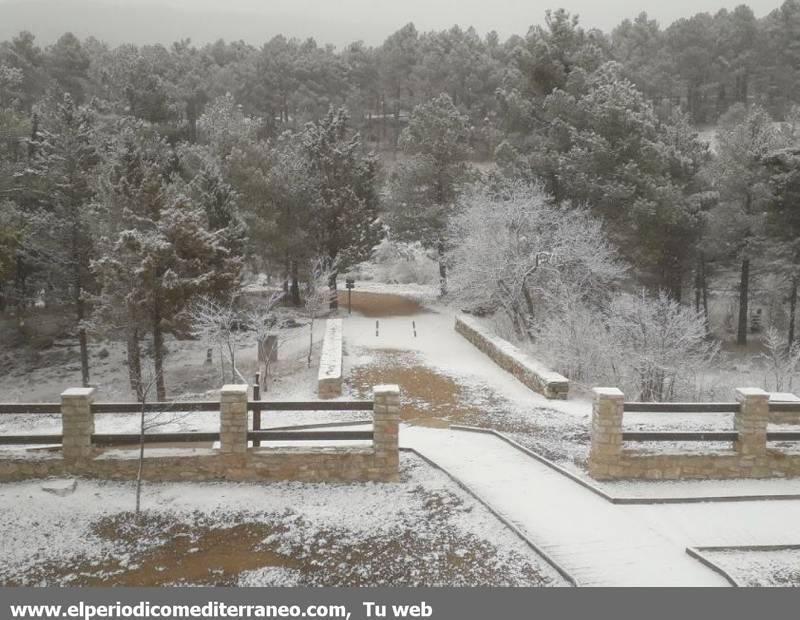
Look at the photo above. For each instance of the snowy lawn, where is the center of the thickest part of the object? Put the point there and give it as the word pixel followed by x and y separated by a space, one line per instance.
pixel 423 531
pixel 760 568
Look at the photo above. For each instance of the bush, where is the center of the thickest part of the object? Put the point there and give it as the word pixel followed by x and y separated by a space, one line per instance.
pixel 395 262
pixel 652 348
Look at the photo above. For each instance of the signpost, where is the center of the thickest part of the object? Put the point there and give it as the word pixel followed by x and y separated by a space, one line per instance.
pixel 351 284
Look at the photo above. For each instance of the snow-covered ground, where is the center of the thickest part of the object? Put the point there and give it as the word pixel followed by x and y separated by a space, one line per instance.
pixel 757 567
pixel 422 531
pixel 446 380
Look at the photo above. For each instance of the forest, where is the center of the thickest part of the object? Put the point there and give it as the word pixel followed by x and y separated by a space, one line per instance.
pixel 595 192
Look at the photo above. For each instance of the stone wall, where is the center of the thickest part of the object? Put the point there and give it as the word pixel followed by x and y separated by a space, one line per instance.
pixel 234 460
pixel 749 458
pixel 510 358
pixel 330 361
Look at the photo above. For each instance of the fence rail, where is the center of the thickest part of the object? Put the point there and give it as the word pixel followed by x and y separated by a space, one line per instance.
pixel 639 407
pixel 117 439
pixel 187 406
pixel 788 407
pixel 255 435
pixel 318 405
pixel 30 408
pixel 679 436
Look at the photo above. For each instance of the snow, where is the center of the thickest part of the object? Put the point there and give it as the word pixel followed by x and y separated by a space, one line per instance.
pixel 269 577
pixel 598 543
pixel 596 540
pixel 330 362
pixel 511 351
pixel 419 292
pixel 759 567
pixel 40 528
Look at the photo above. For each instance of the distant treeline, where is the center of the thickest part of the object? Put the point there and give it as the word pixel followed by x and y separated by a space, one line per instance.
pixel 703 64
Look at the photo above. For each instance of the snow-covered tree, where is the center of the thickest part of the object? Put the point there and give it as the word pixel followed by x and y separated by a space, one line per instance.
pixel 783 221
pixel 219 324
pixel 278 194
pixel 517 251
pixel 596 140
pixel 423 189
pixel 651 347
pixel 162 253
pixel 317 297
pixel 224 126
pixel 345 226
pixel 64 211
pixel 745 137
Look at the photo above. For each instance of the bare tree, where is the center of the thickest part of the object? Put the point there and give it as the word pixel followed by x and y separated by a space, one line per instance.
pixel 782 362
pixel 317 297
pixel 147 422
pixel 220 324
pixel 264 322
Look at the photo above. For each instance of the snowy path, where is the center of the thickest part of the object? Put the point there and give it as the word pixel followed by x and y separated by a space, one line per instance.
pixel 598 543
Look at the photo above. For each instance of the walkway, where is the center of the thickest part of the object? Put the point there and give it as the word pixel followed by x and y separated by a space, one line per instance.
pixel 598 543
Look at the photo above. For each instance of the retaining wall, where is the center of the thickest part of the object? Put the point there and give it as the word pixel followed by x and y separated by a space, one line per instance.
pixel 330 361
pixel 530 372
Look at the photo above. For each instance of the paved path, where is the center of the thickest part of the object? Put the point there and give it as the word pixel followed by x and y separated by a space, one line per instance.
pixel 598 543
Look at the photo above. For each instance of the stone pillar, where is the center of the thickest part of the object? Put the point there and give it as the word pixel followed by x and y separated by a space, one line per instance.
pixel 606 450
pixel 77 422
pixel 386 439
pixel 751 421
pixel 233 419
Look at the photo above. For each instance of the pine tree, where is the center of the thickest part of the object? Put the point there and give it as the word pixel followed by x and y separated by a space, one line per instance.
pixel 163 253
pixel 423 190
pixel 346 226
pixel 744 137
pixel 65 211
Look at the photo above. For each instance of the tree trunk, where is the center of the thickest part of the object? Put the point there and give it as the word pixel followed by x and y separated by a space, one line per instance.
pixel 80 312
pixel 442 269
pixel 310 339
pixel 84 347
pixel 295 288
pixel 744 281
pixel 698 285
pixel 158 351
pixel 704 290
pixel 334 292
pixel 792 312
pixel 134 362
pixel 141 463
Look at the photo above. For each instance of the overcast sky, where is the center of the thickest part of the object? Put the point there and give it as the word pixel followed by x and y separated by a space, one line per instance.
pixel 328 21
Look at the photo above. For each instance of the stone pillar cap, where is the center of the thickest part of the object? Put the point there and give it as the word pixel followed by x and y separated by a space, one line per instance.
pixel 81 392
pixel 608 391
pixel 751 391
pixel 234 388
pixel 391 388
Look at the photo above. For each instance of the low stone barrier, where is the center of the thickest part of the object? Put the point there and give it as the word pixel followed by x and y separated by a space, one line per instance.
pixel 234 460
pixel 749 457
pixel 530 372
pixel 330 361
